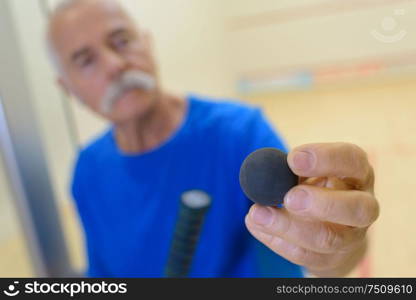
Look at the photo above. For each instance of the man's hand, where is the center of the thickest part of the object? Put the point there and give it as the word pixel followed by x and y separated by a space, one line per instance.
pixel 325 218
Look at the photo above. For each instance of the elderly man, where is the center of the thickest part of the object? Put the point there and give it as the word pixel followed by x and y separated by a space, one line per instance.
pixel 127 183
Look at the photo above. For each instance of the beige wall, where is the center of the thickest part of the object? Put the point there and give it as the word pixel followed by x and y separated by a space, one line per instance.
pixel 270 35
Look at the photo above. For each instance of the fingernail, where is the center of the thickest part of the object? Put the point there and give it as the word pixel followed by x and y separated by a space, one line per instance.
pixel 303 160
pixel 262 215
pixel 298 200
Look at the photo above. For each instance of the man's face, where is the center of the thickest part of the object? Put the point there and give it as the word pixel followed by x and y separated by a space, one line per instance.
pixel 96 42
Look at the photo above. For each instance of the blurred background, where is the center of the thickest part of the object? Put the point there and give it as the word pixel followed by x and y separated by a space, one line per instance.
pixel 322 70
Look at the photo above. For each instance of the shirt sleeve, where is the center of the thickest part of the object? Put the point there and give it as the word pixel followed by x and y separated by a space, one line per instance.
pixel 81 191
pixel 260 133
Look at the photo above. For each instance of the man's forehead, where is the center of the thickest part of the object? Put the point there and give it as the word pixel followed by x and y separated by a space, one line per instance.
pixel 84 18
pixel 79 10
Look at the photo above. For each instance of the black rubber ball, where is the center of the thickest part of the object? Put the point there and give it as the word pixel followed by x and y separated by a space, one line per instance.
pixel 265 176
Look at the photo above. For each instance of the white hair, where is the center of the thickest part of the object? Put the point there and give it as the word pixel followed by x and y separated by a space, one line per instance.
pixel 60 7
pixel 53 57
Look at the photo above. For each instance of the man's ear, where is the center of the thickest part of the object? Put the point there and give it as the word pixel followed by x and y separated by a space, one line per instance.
pixel 63 86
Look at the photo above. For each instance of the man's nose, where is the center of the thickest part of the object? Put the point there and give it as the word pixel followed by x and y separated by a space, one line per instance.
pixel 114 63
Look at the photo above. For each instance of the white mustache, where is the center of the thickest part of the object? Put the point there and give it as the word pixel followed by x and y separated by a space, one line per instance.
pixel 133 79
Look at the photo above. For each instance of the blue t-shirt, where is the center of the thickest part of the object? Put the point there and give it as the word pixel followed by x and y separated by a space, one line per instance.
pixel 128 204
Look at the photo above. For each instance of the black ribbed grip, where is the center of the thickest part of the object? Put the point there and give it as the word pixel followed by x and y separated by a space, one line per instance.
pixel 193 207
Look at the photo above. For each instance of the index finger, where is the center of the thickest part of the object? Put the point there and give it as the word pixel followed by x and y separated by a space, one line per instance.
pixel 342 160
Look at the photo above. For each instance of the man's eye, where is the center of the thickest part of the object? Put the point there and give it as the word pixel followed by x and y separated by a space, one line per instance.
pixel 121 42
pixel 86 61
